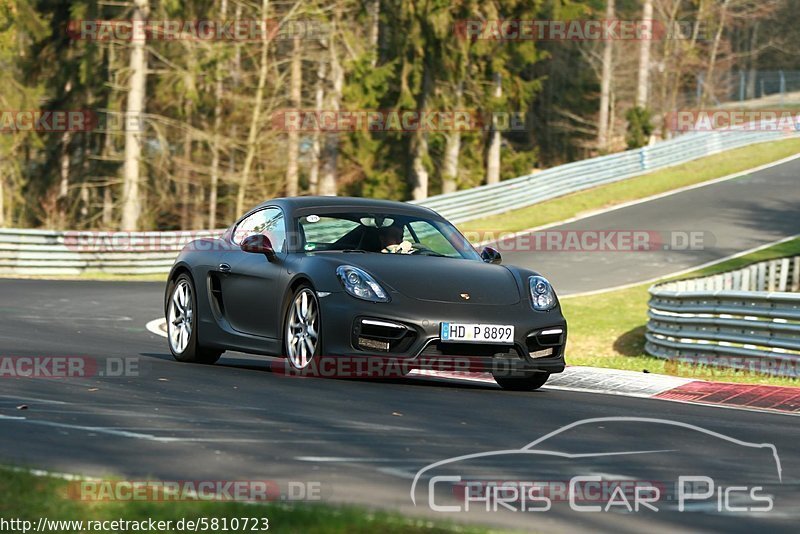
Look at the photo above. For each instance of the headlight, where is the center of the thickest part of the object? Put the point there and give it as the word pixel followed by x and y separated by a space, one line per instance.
pixel 543 297
pixel 360 284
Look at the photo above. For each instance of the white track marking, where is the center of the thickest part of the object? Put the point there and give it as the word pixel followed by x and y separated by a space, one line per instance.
pixel 350 459
pixel 132 435
pixel 43 473
pixel 154 327
pixel 14 398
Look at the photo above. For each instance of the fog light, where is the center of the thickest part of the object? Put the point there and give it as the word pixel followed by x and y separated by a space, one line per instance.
pixel 542 353
pixel 366 343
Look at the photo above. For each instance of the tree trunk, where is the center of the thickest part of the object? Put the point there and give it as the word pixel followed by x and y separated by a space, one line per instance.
pixel 295 97
pixel 63 183
pixel 214 185
pixel 452 147
pixel 419 140
pixel 330 149
pixel 2 200
pixel 605 84
pixel 374 13
pixel 319 98
pixel 750 91
pixel 251 136
pixel 493 154
pixel 134 127
pixel 108 207
pixel 643 80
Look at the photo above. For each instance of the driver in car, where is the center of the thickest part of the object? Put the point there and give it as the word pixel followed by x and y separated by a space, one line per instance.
pixel 391 238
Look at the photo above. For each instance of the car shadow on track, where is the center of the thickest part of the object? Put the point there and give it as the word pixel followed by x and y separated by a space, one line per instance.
pixel 277 367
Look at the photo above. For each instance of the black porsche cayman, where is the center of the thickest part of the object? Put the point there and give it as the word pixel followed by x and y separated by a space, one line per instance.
pixel 330 278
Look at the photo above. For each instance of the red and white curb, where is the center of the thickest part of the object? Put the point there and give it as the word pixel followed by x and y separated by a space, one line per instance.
pixel 775 399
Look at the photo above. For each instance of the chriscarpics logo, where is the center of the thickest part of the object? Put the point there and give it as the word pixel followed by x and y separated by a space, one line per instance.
pixel 609 464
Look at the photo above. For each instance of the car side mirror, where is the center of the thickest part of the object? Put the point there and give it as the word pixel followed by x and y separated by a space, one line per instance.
pixel 490 255
pixel 259 244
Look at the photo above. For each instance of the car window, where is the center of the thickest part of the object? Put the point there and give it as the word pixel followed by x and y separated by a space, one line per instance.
pixel 382 233
pixel 324 230
pixel 431 238
pixel 269 222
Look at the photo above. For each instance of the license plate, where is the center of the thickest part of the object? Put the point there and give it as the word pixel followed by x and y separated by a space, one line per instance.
pixel 477 333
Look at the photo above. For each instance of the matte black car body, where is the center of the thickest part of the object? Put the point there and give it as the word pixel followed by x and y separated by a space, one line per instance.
pixel 245 308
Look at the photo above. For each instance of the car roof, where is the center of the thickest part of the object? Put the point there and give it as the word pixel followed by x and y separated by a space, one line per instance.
pixel 291 205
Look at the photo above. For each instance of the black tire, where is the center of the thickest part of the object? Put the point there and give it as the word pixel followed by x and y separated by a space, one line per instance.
pixel 528 382
pixel 188 350
pixel 291 352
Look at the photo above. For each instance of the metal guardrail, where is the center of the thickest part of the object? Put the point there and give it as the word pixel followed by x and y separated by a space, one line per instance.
pixel 494 199
pixel 42 252
pixel 748 318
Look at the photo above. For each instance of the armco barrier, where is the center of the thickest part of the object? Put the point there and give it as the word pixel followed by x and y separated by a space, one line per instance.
pixel 42 252
pixel 747 318
pixel 486 200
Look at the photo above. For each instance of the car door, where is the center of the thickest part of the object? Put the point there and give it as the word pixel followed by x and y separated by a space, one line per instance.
pixel 250 283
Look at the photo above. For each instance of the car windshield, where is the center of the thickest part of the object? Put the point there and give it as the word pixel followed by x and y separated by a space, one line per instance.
pixel 383 233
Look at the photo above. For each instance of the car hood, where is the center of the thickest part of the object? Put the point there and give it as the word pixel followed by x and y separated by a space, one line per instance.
pixel 435 279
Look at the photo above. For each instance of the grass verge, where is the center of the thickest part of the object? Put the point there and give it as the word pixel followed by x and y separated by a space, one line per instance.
pixel 607 329
pixel 29 497
pixel 638 187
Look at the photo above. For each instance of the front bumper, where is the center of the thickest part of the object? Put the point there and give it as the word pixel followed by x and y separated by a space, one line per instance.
pixel 408 330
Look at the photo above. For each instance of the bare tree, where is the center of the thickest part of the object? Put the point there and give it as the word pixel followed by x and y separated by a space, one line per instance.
pixel 708 84
pixel 644 57
pixel 319 99
pixel 605 84
pixel 256 116
pixel 330 148
pixel 452 149
pixel 493 154
pixel 134 123
pixel 295 96
pixel 419 141
pixel 216 139
pixel 374 13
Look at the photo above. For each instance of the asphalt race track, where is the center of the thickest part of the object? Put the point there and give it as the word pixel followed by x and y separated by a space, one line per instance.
pixel 363 441
pixel 728 216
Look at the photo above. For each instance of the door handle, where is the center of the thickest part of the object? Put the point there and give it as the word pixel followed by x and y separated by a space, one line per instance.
pixel 224 268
